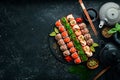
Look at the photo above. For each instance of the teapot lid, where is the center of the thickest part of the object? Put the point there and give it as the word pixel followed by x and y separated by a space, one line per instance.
pixel 112 14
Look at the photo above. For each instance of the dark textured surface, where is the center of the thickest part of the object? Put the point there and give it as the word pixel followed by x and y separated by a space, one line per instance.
pixel 24 46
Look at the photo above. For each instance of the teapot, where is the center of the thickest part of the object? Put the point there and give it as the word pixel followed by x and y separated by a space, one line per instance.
pixel 108 54
pixel 109 14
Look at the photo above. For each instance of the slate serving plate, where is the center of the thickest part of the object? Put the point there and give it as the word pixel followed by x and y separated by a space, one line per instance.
pixel 25 53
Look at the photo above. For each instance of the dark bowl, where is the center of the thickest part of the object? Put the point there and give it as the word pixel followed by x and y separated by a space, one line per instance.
pixel 92 13
pixel 117 37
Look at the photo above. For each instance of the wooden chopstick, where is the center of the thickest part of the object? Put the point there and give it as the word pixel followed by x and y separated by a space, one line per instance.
pixel 101 73
pixel 88 17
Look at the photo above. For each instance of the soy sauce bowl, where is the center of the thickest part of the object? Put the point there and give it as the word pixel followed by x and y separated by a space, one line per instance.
pixel 117 37
pixel 92 13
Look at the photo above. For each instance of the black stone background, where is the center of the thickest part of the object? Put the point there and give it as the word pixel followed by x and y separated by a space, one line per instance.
pixel 24 45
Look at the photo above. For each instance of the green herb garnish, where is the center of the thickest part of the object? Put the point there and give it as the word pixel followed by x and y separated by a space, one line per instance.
pixel 92 48
pixel 115 29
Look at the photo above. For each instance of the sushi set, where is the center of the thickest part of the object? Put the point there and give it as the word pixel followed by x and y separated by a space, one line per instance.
pixel 74 43
pixel 74 39
pixel 78 41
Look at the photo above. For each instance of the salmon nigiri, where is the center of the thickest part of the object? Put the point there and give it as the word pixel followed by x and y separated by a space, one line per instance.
pixel 61 28
pixel 58 23
pixel 64 34
pixel 70 44
pixel 74 55
pixel 67 39
pixel 77 60
pixel 72 50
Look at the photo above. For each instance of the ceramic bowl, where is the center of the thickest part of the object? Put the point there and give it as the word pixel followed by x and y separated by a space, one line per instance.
pixel 92 13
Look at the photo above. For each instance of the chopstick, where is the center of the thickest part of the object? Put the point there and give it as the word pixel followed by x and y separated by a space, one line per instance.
pixel 88 17
pixel 101 72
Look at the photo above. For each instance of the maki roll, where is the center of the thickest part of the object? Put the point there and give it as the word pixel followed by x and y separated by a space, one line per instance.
pixel 83 43
pixel 61 29
pixel 66 53
pixel 89 54
pixel 64 34
pixel 77 32
pixel 90 42
pixel 87 36
pixel 61 42
pixel 77 60
pixel 85 31
pixel 68 58
pixel 82 26
pixel 58 37
pixel 58 23
pixel 70 44
pixel 87 51
pixel 63 47
pixel 76 27
pixel 70 17
pixel 72 22
pixel 73 49
pixel 74 55
pixel 67 39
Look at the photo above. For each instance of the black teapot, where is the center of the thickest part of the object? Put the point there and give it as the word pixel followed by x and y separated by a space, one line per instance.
pixel 110 55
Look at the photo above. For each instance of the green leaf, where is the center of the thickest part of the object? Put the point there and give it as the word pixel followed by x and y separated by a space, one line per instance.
pixel 84 57
pixel 92 48
pixel 117 26
pixel 81 71
pixel 56 30
pixel 63 20
pixel 95 44
pixel 52 34
pixel 113 30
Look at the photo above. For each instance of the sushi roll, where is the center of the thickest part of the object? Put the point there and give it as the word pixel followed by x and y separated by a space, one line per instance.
pixel 68 58
pixel 82 26
pixel 87 36
pixel 58 23
pixel 64 34
pixel 77 32
pixel 81 38
pixel 90 42
pixel 74 55
pixel 89 54
pixel 61 42
pixel 70 44
pixel 66 53
pixel 61 29
pixel 63 47
pixel 87 51
pixel 77 60
pixel 84 31
pixel 70 17
pixel 67 39
pixel 72 22
pixel 58 37
pixel 76 27
pixel 72 50
pixel 86 48
pixel 83 43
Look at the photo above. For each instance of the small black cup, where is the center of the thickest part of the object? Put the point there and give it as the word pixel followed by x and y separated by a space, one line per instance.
pixel 92 13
